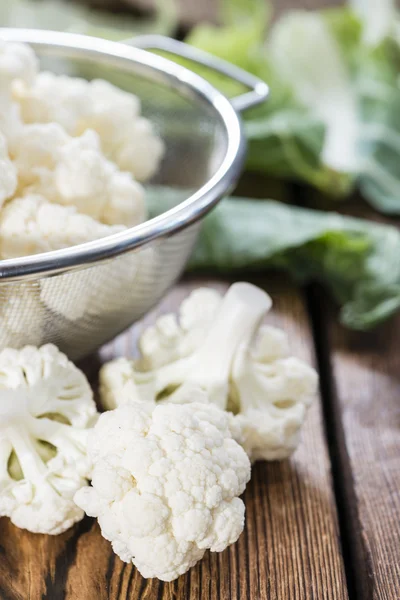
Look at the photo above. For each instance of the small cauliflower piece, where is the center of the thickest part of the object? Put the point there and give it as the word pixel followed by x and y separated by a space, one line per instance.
pixel 165 484
pixel 126 138
pixel 91 291
pixel 46 410
pixel 52 98
pixel 8 173
pixel 17 62
pixel 220 346
pixel 21 314
pixel 171 338
pixel 139 150
pixel 31 225
pixel 73 171
pixel 270 395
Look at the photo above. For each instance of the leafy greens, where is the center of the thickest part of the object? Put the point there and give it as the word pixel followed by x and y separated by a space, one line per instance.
pixel 333 116
pixel 356 259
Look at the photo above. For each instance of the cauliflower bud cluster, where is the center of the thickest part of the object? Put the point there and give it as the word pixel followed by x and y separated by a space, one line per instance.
pixel 46 411
pixel 165 484
pixel 72 154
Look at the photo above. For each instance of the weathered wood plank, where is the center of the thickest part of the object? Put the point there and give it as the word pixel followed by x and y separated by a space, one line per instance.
pixel 363 375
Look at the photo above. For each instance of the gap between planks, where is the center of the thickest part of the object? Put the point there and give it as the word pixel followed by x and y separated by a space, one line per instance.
pixel 360 373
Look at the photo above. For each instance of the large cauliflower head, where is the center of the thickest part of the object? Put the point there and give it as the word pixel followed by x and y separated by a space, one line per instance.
pixel 165 484
pixel 46 410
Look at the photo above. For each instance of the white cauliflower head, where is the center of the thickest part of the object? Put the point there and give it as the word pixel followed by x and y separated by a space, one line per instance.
pixel 30 225
pixel 215 347
pixel 73 171
pixel 127 139
pixel 46 408
pixel 165 484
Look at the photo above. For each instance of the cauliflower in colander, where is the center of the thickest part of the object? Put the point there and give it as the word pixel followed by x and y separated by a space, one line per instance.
pixel 30 225
pixel 73 171
pixel 166 484
pixel 8 173
pixel 126 138
pixel 17 63
pixel 21 314
pixel 46 410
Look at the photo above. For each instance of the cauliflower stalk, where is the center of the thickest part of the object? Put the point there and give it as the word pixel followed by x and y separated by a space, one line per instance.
pixel 165 484
pixel 221 346
pixel 46 410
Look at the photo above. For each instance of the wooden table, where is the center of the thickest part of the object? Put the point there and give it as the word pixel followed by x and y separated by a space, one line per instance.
pixel 324 525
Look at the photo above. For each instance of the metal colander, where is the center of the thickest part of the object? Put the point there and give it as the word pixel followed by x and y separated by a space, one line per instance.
pixel 81 297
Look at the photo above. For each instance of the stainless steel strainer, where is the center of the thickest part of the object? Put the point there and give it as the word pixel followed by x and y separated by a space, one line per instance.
pixel 80 297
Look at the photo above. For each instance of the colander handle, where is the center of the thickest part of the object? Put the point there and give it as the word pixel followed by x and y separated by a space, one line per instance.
pixel 258 89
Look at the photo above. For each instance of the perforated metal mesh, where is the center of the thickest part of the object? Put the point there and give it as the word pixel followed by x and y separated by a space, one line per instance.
pixel 81 310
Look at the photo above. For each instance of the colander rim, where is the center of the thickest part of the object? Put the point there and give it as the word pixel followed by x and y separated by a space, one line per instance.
pixel 171 221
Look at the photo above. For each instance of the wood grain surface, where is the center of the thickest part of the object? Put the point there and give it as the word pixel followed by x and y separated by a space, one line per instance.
pixel 361 381
pixel 290 547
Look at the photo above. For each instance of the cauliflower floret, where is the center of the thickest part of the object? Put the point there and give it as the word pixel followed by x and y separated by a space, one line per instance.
pixel 52 98
pixel 270 394
pixel 90 291
pixel 166 341
pixel 31 225
pixel 46 410
pixel 21 314
pixel 169 339
pixel 78 105
pixel 165 484
pixel 138 149
pixel 8 173
pixel 73 171
pixel 214 348
pixel 17 62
